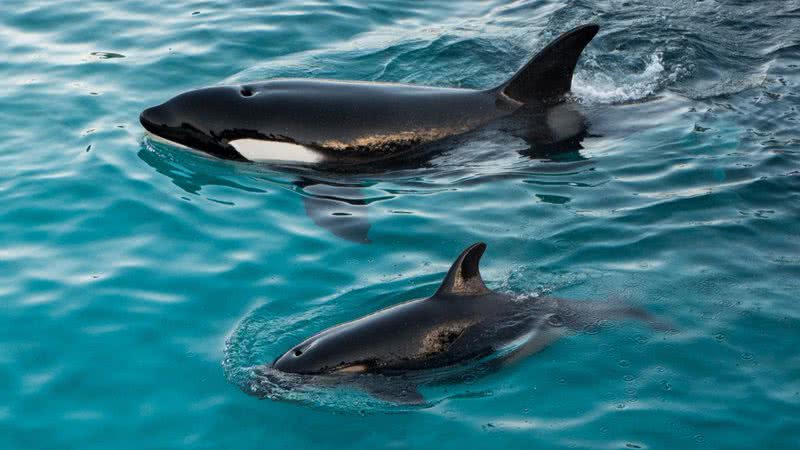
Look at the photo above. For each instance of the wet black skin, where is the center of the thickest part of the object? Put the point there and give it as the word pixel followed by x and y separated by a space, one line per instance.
pixel 352 121
pixel 421 334
pixel 338 118
pixel 462 321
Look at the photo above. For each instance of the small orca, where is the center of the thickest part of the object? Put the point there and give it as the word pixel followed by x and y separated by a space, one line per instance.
pixel 341 123
pixel 463 321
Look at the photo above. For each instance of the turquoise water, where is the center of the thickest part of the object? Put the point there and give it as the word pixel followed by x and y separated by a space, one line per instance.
pixel 139 284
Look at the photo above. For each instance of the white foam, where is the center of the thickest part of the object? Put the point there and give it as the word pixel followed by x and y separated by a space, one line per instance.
pixel 601 86
pixel 258 150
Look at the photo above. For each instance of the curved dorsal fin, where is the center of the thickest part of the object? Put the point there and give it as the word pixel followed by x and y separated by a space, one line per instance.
pixel 548 75
pixel 464 277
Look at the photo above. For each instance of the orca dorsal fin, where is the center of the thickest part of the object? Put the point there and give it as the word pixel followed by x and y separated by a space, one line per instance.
pixel 548 75
pixel 464 277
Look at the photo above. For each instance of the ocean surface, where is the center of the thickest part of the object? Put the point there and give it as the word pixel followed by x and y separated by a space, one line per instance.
pixel 140 284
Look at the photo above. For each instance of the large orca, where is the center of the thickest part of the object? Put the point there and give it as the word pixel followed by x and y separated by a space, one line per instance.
pixel 325 122
pixel 463 321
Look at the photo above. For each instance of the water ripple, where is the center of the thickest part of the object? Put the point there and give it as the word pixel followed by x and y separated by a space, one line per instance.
pixel 127 265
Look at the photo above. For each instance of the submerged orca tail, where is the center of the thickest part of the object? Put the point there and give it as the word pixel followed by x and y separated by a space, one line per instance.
pixel 548 75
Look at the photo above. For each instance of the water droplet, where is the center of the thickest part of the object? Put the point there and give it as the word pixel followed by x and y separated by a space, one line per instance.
pixel 624 363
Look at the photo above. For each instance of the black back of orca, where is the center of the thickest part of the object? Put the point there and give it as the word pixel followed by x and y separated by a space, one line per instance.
pixel 308 121
pixel 421 334
pixel 463 321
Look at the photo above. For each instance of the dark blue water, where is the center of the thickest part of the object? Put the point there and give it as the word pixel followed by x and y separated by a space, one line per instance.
pixel 139 284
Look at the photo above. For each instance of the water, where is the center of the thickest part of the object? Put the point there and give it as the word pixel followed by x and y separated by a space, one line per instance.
pixel 139 283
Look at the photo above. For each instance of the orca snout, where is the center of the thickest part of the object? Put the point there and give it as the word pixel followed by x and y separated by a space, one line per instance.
pixel 185 121
pixel 288 362
pixel 153 119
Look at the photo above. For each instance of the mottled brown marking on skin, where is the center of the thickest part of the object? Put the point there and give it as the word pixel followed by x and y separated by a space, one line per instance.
pixel 384 142
pixel 439 339
pixel 467 285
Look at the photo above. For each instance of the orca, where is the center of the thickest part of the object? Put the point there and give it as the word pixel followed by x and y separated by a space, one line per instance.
pixel 328 123
pixel 463 321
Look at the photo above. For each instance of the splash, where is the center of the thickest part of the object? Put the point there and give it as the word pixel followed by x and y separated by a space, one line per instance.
pixel 602 85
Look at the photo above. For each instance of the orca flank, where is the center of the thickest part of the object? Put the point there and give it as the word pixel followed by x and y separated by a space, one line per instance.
pixel 310 122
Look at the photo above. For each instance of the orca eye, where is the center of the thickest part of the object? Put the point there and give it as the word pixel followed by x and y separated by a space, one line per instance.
pixel 246 92
pixel 298 352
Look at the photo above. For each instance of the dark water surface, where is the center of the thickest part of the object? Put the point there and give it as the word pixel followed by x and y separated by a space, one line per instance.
pixel 139 284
